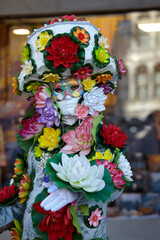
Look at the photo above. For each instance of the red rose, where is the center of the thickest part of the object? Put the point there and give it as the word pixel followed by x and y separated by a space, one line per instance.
pixel 62 52
pixel 7 193
pixel 58 224
pixel 112 135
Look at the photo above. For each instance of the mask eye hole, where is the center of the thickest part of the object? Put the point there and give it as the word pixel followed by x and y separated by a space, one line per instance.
pixel 58 90
pixel 75 87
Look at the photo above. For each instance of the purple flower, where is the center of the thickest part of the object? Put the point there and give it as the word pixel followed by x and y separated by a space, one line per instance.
pixel 106 88
pixel 49 114
pixel 46 178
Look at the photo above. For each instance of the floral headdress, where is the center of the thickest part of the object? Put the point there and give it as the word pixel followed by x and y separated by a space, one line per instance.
pixel 68 47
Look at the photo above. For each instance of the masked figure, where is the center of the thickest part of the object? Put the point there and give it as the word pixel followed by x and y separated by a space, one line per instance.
pixel 74 164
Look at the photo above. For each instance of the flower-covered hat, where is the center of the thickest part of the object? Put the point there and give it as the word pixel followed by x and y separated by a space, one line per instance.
pixel 67 47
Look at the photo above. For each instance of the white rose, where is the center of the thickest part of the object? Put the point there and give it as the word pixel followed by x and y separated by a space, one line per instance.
pixel 125 166
pixel 79 173
pixel 95 100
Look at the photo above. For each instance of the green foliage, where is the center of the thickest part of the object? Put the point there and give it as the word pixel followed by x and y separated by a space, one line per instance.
pixel 24 144
pixel 75 218
pixel 37 216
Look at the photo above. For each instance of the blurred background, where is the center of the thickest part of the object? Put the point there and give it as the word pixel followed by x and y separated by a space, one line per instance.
pixel 133 32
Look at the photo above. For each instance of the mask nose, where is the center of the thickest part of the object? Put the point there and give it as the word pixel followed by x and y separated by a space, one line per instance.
pixel 67 93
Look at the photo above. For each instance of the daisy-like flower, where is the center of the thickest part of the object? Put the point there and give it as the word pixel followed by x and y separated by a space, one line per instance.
pixel 51 77
pixel 81 35
pixel 95 217
pixel 103 42
pixel 125 166
pixel 42 40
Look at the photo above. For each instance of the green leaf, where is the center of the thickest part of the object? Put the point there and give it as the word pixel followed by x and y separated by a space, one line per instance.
pixel 102 195
pixel 96 121
pixel 29 114
pixel 84 209
pixel 37 216
pixel 24 144
pixel 75 218
pixel 37 136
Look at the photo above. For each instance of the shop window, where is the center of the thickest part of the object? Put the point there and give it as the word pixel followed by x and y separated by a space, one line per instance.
pixel 157 81
pixel 141 83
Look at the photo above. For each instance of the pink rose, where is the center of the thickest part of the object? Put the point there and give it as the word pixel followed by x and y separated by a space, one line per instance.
pixel 31 127
pixel 41 95
pixel 81 111
pixel 80 139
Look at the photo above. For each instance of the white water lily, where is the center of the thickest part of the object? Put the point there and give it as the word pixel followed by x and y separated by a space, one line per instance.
pixel 125 166
pixel 79 173
pixel 27 68
pixel 95 100
pixel 102 42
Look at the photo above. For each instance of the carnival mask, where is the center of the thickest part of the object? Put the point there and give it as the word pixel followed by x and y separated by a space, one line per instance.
pixel 67 88
pixel 67 93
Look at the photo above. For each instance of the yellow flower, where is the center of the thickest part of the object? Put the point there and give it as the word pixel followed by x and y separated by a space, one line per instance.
pixel 15 85
pixel 88 84
pixel 49 139
pixel 51 77
pixel 107 156
pixel 42 40
pixel 103 78
pixel 37 152
pixel 33 87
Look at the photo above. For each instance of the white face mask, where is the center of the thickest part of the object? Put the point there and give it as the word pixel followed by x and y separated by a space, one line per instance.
pixel 68 105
